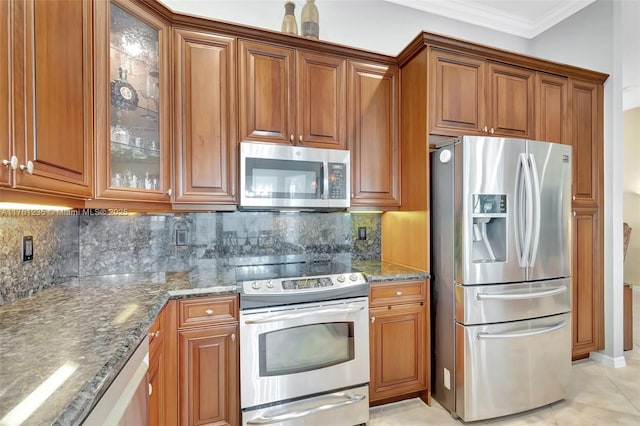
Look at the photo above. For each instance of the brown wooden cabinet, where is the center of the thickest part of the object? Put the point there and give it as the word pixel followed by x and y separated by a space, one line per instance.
pixel 586 99
pixel 208 358
pixel 399 340
pixel 470 95
pixel 157 373
pixel 588 287
pixel 47 108
pixel 132 108
pixel 6 123
pixel 552 109
pixel 292 97
pixel 204 119
pixel 374 134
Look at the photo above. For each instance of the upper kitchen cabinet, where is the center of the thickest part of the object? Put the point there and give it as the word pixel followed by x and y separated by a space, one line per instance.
pixel 205 142
pixel 46 97
pixel 552 108
pixel 5 98
pixel 292 97
pixel 373 134
pixel 470 95
pixel 132 103
pixel 586 136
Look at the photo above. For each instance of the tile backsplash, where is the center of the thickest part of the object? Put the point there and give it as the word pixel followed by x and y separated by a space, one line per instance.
pixel 83 245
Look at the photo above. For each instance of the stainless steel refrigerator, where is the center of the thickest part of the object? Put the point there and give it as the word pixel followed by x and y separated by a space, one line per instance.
pixel 501 266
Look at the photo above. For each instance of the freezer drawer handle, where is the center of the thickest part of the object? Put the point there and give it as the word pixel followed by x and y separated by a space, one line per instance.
pixel 522 296
pixel 350 399
pixel 488 336
pixel 284 317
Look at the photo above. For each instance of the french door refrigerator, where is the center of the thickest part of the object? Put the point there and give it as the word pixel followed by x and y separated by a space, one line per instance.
pixel 501 266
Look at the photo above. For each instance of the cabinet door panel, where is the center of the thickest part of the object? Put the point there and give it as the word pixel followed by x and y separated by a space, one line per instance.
pixel 6 135
pixel 552 109
pixel 512 100
pixel 266 87
pixel 587 142
pixel 53 112
pixel 209 376
pixel 588 303
pixel 204 123
pixel 398 337
pixel 374 142
pixel 321 100
pixel 457 94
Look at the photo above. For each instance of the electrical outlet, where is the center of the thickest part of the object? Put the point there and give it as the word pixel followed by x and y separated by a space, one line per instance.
pixel 27 248
pixel 181 237
pixel 362 233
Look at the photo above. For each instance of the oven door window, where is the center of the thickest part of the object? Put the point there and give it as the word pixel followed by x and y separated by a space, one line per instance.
pixel 283 179
pixel 305 348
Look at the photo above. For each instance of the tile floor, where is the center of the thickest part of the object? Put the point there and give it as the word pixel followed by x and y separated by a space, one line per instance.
pixel 599 395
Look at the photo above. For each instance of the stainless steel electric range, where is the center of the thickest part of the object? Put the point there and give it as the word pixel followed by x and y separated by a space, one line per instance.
pixel 304 336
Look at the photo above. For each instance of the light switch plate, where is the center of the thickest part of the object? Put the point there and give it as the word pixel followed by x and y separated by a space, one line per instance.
pixel 27 248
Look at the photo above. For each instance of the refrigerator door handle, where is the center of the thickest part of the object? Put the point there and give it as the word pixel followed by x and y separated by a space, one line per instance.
pixel 489 336
pixel 522 224
pixel 536 210
pixel 522 296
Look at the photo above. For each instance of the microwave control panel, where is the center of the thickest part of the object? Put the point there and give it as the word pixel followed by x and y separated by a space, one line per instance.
pixel 337 181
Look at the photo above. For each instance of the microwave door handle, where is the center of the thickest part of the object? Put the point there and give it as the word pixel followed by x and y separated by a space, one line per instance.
pixel 324 182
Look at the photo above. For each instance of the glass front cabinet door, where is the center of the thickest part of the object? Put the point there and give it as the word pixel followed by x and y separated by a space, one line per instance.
pixel 133 108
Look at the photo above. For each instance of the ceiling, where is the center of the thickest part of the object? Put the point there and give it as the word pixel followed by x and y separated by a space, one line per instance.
pixel 529 18
pixel 524 18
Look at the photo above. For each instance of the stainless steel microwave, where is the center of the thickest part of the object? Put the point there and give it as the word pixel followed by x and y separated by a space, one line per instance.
pixel 274 177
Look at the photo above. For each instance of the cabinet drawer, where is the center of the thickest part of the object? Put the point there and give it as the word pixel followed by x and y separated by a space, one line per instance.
pixel 207 311
pixel 397 292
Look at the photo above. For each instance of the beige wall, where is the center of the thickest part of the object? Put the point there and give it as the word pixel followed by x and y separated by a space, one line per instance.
pixel 631 184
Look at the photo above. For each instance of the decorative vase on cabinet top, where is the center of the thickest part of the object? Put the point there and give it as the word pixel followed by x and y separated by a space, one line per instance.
pixel 310 26
pixel 289 23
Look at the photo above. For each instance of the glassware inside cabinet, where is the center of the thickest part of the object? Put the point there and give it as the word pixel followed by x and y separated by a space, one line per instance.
pixel 134 112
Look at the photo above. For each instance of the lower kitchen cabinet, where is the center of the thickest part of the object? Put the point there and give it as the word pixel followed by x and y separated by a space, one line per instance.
pixel 157 372
pixel 399 341
pixel 208 361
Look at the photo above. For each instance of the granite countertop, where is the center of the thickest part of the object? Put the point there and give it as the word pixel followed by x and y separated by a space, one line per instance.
pixel 378 271
pixel 89 327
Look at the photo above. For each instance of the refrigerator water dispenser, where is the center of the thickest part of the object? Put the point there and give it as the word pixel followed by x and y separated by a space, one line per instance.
pixel 489 227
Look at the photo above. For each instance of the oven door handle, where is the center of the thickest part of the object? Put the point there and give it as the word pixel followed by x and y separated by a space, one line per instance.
pixel 350 398
pixel 309 313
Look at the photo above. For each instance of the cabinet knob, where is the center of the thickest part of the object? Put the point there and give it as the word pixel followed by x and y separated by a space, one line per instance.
pixel 300 138
pixel 491 131
pixel 233 337
pixel 13 163
pixel 169 192
pixel 154 334
pixel 209 312
pixel 574 214
pixel 150 388
pixel 485 129
pixel 28 168
pixel 398 293
pixel 291 138
pixel 573 197
pixel 373 319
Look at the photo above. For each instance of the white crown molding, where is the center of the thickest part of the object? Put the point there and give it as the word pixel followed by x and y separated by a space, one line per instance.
pixel 475 12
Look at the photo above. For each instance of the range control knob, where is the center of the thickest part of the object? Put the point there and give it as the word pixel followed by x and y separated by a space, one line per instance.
pixel 270 284
pixel 353 277
pixel 340 278
pixel 255 285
